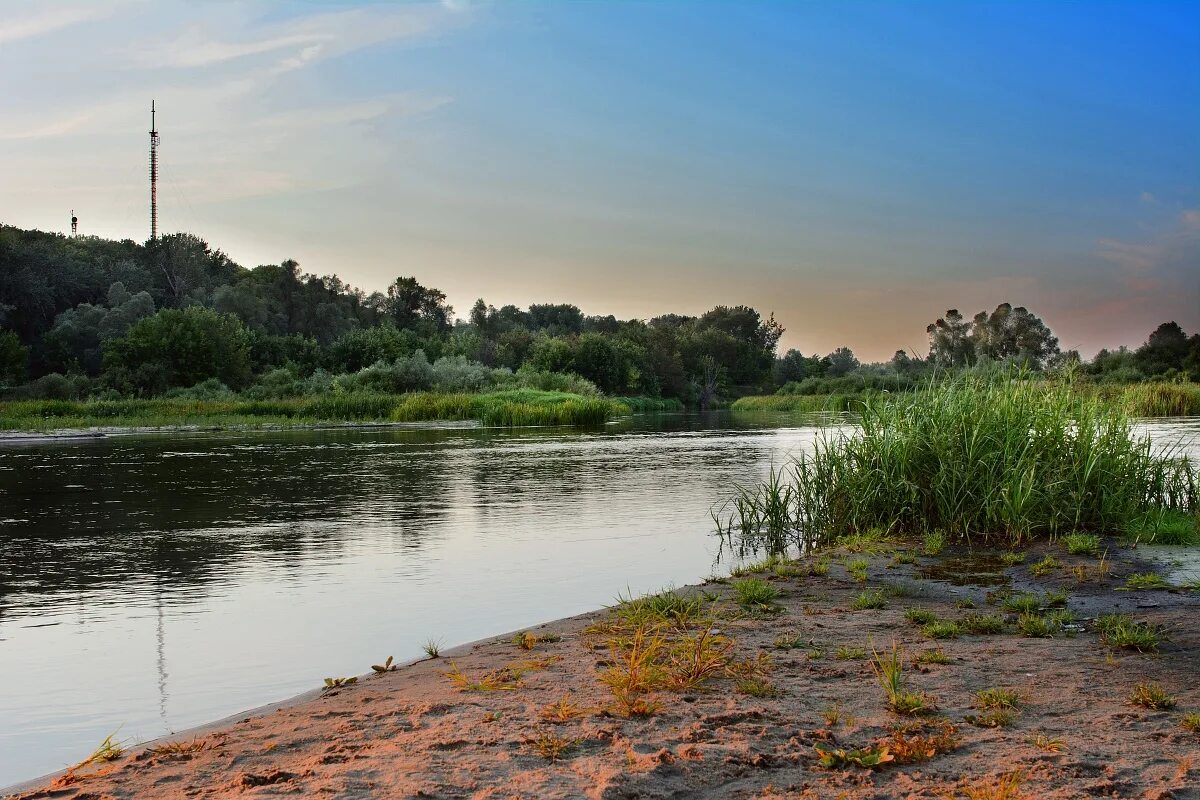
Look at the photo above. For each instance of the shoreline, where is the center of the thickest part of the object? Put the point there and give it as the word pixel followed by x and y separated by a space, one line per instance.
pixel 412 730
pixel 88 434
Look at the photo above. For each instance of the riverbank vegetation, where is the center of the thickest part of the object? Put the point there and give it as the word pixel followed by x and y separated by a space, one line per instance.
pixel 84 318
pixel 973 457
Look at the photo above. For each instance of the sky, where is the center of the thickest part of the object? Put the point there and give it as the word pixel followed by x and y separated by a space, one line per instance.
pixel 854 167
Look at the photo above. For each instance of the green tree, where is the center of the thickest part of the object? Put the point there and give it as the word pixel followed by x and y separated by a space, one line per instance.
pixel 14 359
pixel 179 348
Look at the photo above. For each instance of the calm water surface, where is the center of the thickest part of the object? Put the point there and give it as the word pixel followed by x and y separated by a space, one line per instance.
pixel 150 584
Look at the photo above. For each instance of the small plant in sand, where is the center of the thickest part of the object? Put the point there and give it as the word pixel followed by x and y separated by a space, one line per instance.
pixel 1005 787
pixel 1146 580
pixel 1152 696
pixel 995 718
pixel 916 742
pixel 919 616
pixel 1081 544
pixel 635 671
pixel 493 716
pixel 1033 626
pixel 872 542
pixel 666 606
pixel 996 698
pixel 904 557
pixel 1043 742
pixel 833 716
pixel 889 670
pixel 848 653
pixel 562 710
pixel 1021 603
pixel 819 568
pixel 900 589
pixel 833 757
pixel 525 640
pixel 754 594
pixel 982 624
pixel 942 629
pixel 1060 617
pixel 1120 630
pixel 1190 722
pixel 756 567
pixel 1045 566
pixel 551 747
pixel 500 680
pixel 964 602
pixel 1011 558
pixel 179 748
pixel 338 683
pixel 432 647
pixel 109 750
pixel 386 666
pixel 792 641
pixel 697 658
pixel 857 568
pixel 934 542
pixel 1055 599
pixel 935 656
pixel 869 599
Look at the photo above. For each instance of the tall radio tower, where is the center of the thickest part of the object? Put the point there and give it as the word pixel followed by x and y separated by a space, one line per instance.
pixel 153 175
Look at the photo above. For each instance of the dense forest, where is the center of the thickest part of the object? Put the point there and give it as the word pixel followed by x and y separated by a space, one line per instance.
pixel 89 317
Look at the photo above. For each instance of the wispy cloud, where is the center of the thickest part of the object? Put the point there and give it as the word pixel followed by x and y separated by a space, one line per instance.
pixel 50 17
pixel 298 42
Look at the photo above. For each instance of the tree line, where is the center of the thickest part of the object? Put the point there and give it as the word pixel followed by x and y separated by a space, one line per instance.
pixel 85 316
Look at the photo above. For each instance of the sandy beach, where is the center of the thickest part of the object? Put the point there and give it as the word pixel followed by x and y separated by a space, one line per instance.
pixel 750 699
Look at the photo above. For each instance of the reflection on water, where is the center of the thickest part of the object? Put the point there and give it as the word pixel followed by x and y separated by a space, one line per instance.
pixel 155 583
pixel 151 584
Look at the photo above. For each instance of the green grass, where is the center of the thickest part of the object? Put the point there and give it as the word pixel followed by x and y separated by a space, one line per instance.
pixel 942 630
pixel 982 624
pixel 756 595
pixel 1009 457
pixel 650 405
pixel 1081 544
pixel 797 403
pixel 1120 630
pixel 869 599
pixel 1165 526
pixel 510 408
pixel 919 616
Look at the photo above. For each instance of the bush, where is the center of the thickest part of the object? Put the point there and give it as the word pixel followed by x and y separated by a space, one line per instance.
pixel 211 389
pixel 458 374
pixel 410 374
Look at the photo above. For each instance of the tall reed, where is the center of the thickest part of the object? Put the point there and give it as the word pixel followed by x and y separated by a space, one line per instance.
pixel 971 456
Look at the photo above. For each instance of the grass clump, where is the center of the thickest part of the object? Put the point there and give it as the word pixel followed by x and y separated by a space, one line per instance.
pixel 696 658
pixel 635 671
pixel 934 542
pixel 1021 603
pixel 1011 558
pixel 551 747
pixel 432 648
pixel 919 616
pixel 501 680
pixel 1010 456
pixel 1152 696
pixel 942 629
pixel 935 656
pixel 1006 787
pixel 562 710
pixel 994 718
pixel 1120 630
pixel 1045 566
pixel 1190 722
pixel 848 653
pixel 667 606
pixel 857 569
pixel 889 670
pixel 982 624
pixel 754 594
pixel 1034 626
pixel 870 599
pixel 1081 544
pixel 1146 580
pixel 996 697
pixel 1048 743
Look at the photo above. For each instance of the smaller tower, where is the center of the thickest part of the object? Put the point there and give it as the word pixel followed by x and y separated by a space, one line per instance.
pixel 74 223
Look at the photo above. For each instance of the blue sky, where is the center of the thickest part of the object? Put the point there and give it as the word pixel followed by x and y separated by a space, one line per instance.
pixel 856 168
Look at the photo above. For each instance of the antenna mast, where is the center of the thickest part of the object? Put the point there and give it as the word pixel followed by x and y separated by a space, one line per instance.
pixel 74 223
pixel 153 175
